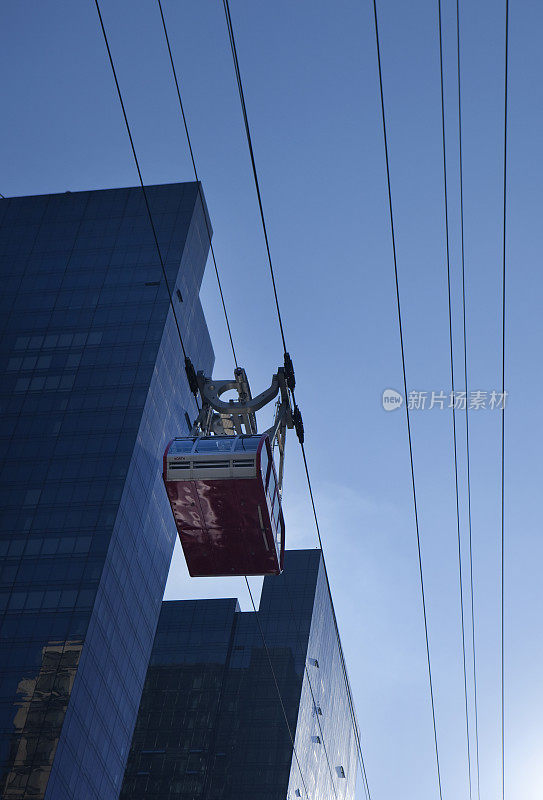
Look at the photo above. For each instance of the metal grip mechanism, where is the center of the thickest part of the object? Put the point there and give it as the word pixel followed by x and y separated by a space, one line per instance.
pixel 289 372
pixel 235 417
pixel 298 424
pixel 191 376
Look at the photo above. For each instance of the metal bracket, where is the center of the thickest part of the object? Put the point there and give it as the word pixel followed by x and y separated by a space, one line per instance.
pixel 235 416
pixel 238 416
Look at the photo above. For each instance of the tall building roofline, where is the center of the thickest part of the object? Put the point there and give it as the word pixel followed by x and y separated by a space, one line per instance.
pixel 101 189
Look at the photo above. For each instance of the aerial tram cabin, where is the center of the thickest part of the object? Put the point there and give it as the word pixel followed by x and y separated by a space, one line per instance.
pixel 222 484
pixel 226 504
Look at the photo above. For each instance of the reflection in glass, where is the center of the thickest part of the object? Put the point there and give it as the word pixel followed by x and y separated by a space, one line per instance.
pixel 41 703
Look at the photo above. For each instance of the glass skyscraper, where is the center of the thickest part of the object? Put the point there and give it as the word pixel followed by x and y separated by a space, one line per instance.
pixel 210 724
pixel 93 386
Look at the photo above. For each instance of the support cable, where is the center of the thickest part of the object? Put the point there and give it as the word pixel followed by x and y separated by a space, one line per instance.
pixel 185 124
pixel 185 355
pixel 173 307
pixel 398 304
pixel 193 160
pixel 451 352
pixel 148 207
pixel 316 710
pixel 503 398
pixel 473 650
pixel 253 163
pixel 226 319
pixel 300 427
pixel 315 705
pixel 338 638
pixel 276 684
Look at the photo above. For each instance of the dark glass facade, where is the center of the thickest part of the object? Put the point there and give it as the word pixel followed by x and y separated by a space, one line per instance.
pixel 210 725
pixel 93 386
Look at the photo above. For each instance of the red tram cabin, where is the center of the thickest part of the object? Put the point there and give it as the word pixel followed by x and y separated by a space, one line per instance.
pixel 226 503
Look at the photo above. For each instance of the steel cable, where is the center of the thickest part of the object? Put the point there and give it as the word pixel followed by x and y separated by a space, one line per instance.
pixel 174 72
pixel 464 331
pixel 399 313
pixel 276 683
pixel 184 353
pixel 503 399
pixel 136 161
pixel 453 403
pixel 281 327
pixel 193 160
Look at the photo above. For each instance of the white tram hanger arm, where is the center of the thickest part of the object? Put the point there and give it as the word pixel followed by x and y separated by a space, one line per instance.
pixel 239 416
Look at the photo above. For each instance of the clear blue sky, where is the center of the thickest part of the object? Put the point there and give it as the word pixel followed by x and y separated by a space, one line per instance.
pixel 311 87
